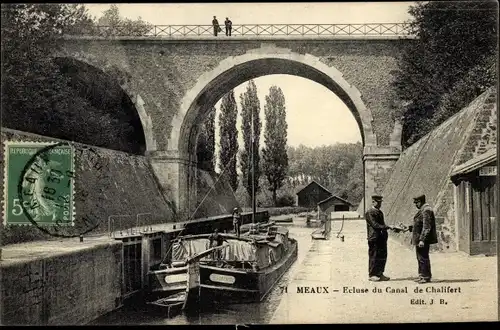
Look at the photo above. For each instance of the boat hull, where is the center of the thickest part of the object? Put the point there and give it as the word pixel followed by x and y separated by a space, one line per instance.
pixel 222 285
pixel 215 285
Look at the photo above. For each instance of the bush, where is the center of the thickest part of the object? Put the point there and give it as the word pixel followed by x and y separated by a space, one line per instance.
pixel 285 200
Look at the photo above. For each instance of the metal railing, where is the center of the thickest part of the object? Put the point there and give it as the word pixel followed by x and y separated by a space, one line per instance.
pixel 371 29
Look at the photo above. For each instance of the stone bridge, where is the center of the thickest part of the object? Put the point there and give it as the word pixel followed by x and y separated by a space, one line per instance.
pixel 173 82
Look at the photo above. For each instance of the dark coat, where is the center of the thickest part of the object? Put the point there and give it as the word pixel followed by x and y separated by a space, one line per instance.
pixel 376 228
pixel 424 226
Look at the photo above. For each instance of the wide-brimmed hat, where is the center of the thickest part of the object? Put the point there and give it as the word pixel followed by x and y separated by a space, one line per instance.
pixel 377 198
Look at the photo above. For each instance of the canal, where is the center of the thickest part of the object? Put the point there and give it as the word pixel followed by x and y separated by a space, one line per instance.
pixel 259 313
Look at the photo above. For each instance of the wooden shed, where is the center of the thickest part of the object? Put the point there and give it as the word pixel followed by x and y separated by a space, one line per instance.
pixel 332 204
pixel 312 194
pixel 476 197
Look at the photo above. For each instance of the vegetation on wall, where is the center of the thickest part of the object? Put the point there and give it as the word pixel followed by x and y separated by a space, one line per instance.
pixel 449 64
pixel 60 97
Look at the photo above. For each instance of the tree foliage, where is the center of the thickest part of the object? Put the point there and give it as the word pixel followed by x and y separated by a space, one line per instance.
pixel 209 127
pixel 274 155
pixel 228 138
pixel 250 106
pixel 60 97
pixel 338 167
pixel 206 143
pixel 113 24
pixel 449 64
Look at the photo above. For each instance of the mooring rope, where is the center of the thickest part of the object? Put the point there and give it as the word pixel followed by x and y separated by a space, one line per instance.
pixel 203 199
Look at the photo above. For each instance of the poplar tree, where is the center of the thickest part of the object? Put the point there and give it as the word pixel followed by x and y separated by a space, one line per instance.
pixel 250 106
pixel 274 155
pixel 228 139
pixel 205 149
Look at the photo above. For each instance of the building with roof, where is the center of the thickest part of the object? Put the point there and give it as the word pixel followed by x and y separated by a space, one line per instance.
pixel 311 195
pixel 476 200
pixel 332 204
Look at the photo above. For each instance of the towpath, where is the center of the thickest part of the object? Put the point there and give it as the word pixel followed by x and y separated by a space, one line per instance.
pixel 335 275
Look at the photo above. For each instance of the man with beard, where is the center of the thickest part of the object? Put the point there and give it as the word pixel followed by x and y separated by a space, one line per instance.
pixel 423 235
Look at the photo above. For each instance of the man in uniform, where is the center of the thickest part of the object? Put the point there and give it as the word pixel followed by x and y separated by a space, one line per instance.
pixel 377 240
pixel 423 235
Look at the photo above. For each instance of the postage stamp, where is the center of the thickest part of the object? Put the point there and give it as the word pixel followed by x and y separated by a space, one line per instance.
pixel 39 184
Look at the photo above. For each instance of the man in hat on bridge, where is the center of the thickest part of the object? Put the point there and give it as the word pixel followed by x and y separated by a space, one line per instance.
pixel 229 26
pixel 423 235
pixel 377 240
pixel 215 24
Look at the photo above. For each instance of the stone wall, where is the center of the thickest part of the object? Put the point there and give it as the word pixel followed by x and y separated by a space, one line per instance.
pixel 425 167
pixel 124 185
pixel 66 289
pixel 157 73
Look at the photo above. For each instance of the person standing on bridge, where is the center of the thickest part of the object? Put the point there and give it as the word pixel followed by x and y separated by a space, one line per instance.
pixel 229 26
pixel 377 240
pixel 423 235
pixel 236 221
pixel 216 26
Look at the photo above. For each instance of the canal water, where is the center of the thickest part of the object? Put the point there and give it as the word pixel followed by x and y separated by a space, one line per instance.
pixel 256 313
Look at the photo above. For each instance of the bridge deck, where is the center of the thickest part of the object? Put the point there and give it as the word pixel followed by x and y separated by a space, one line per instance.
pixel 224 38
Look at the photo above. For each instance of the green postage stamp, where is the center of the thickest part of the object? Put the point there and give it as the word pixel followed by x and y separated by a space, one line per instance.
pixel 38 184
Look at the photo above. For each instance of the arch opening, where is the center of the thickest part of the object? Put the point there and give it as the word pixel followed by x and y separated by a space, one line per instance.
pixel 108 106
pixel 223 79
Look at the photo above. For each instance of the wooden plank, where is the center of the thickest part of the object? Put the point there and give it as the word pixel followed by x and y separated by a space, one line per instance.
pixel 484 207
pixel 468 214
pixel 487 248
pixel 476 215
pixel 494 213
pixel 463 223
pixel 491 206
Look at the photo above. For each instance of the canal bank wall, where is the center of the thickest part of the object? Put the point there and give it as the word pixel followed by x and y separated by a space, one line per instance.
pixel 110 183
pixel 60 283
pixel 426 166
pixel 73 282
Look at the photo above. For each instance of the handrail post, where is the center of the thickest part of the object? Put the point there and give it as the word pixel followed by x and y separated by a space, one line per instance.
pixel 116 216
pixel 137 218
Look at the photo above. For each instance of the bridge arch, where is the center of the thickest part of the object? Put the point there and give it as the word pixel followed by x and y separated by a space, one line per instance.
pixel 233 71
pixel 123 79
pixel 180 157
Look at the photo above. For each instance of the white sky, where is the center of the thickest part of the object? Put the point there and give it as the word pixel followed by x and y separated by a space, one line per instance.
pixel 315 115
